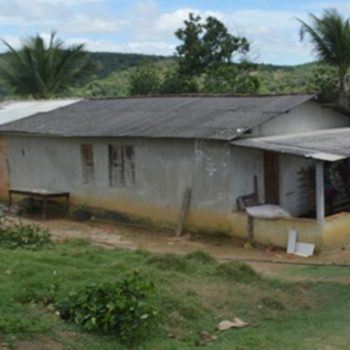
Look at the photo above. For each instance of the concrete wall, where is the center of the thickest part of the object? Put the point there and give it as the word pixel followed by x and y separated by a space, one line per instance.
pixel 333 232
pixel 275 231
pixel 306 117
pixel 4 176
pixel 216 173
pixel 163 169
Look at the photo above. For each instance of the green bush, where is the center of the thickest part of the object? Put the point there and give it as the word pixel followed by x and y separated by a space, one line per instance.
pixel 201 257
pixel 170 261
pixel 123 308
pixel 18 235
pixel 237 271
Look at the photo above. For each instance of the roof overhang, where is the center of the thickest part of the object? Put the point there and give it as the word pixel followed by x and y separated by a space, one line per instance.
pixel 327 145
pixel 11 111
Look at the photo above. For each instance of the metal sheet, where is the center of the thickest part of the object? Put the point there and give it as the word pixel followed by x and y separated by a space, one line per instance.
pixel 11 111
pixel 327 145
pixel 218 118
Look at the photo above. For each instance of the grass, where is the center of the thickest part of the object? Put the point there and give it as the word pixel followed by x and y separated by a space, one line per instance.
pixel 323 272
pixel 193 294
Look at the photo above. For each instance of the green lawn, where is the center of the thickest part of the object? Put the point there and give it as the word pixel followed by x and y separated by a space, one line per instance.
pixel 193 294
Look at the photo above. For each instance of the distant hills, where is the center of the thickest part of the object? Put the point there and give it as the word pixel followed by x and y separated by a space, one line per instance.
pixel 108 62
pixel 113 69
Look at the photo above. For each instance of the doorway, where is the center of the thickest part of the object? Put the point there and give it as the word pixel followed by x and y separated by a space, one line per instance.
pixel 271 177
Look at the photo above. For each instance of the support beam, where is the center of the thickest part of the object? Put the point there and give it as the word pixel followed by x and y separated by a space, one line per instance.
pixel 320 200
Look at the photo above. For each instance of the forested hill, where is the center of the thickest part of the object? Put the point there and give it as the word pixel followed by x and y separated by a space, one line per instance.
pixel 113 70
pixel 108 62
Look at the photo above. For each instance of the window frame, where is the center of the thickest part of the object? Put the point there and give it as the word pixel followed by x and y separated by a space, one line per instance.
pixel 121 166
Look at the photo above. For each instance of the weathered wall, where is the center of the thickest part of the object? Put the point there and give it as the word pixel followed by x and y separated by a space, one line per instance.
pixel 4 175
pixel 275 231
pixel 336 230
pixel 216 173
pixel 163 169
pixel 306 117
pixel 333 232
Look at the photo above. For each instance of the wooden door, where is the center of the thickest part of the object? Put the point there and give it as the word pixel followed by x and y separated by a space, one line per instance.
pixel 271 175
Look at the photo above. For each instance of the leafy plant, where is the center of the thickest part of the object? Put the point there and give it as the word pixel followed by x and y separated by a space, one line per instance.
pixel 18 235
pixel 123 308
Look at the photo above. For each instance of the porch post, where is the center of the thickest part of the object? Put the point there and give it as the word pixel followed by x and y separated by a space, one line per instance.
pixel 320 205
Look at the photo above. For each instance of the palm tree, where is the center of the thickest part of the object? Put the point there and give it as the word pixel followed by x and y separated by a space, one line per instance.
pixel 330 36
pixel 43 70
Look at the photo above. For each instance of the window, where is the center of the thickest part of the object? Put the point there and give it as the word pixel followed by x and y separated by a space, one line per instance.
pixel 121 166
pixel 87 157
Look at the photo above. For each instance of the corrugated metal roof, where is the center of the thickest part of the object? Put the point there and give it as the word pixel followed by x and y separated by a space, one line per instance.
pixel 329 144
pixel 220 118
pixel 11 111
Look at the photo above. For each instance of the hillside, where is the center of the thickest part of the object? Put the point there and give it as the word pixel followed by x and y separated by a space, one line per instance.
pixel 273 80
pixel 113 70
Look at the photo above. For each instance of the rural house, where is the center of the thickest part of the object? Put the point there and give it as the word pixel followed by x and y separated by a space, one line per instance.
pixel 11 111
pixel 134 158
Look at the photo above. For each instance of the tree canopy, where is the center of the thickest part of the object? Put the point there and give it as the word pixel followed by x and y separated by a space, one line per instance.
pixel 330 37
pixel 43 70
pixel 144 80
pixel 206 45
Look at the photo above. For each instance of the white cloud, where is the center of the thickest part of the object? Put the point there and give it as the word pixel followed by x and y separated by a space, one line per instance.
pixel 273 33
pixel 86 24
pixel 145 28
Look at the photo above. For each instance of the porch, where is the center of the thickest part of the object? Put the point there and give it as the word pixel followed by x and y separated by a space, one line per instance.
pixel 309 175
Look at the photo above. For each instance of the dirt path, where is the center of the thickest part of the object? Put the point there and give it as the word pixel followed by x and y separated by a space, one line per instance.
pixel 163 241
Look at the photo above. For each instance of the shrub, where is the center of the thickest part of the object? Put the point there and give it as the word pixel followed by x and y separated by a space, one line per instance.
pixel 169 261
pixel 237 271
pixel 201 257
pixel 123 308
pixel 18 235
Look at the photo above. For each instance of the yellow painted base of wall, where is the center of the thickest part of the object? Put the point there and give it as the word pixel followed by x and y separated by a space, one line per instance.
pixel 196 220
pixel 334 231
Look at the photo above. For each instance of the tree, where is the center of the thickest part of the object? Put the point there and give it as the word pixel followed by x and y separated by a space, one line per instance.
pixel 325 82
pixel 232 79
pixel 43 70
pixel 330 36
pixel 174 83
pixel 206 45
pixel 144 80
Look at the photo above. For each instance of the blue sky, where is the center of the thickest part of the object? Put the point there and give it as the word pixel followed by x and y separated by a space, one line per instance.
pixel 147 26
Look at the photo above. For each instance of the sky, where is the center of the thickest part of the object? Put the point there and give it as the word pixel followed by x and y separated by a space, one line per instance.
pixel 148 26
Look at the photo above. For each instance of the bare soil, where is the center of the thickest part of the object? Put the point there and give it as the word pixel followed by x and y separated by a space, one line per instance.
pixel 164 241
